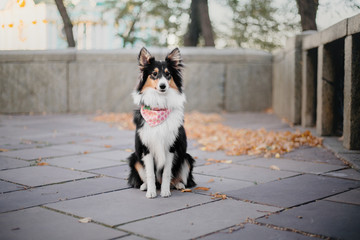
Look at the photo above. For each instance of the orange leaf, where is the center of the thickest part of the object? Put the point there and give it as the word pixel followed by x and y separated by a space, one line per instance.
pixel 186 190
pixel 202 188
pixel 3 150
pixel 219 195
pixel 42 164
pixel 211 180
pixel 107 146
pixel 85 152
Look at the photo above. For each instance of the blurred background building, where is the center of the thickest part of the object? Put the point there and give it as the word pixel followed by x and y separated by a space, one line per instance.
pixel 28 24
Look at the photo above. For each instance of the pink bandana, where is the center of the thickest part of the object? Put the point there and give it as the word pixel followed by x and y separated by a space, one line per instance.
pixel 154 116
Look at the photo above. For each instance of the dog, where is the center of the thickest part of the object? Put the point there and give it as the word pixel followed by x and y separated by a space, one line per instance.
pixel 160 159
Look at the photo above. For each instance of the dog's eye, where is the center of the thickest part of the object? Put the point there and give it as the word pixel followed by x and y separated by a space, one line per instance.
pixel 154 74
pixel 167 74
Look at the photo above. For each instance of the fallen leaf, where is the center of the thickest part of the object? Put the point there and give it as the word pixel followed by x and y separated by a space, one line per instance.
pixel 219 195
pixel 186 190
pixel 42 164
pixel 128 150
pixel 211 180
pixel 202 188
pixel 85 152
pixel 107 146
pixel 274 167
pixel 85 220
pixel 3 150
pixel 277 155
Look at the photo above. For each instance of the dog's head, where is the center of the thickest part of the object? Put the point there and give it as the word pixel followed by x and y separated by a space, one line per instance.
pixel 159 80
pixel 160 75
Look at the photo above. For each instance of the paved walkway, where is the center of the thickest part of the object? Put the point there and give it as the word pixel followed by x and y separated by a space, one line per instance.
pixel 62 169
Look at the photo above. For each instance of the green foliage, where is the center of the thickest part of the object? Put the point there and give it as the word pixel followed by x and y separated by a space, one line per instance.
pixel 256 24
pixel 149 22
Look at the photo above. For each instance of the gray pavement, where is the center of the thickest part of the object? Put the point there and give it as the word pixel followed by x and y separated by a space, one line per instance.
pixel 60 169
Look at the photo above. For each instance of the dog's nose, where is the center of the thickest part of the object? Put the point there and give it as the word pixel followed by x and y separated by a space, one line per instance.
pixel 162 86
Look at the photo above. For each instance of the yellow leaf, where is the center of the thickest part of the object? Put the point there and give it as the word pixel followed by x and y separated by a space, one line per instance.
pixel 277 155
pixel 3 150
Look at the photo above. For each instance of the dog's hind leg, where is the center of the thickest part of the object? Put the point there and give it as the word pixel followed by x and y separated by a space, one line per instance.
pixel 135 178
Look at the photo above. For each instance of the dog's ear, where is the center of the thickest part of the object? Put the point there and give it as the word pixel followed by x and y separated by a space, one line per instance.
pixel 144 58
pixel 174 59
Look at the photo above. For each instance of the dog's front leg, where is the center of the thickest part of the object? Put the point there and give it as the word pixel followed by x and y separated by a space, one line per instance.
pixel 150 176
pixel 166 177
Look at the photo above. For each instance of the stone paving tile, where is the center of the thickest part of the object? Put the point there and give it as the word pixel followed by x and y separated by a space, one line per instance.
pixel 34 153
pixel 9 163
pixel 23 132
pixel 252 231
pixel 313 154
pixel 58 192
pixel 346 173
pixel 118 155
pixel 132 237
pixel 64 139
pixel 245 173
pixel 16 144
pixel 42 224
pixel 253 121
pixel 78 148
pixel 201 156
pixel 217 184
pixel 41 175
pixel 7 187
pixel 294 191
pixel 113 142
pixel 198 221
pixel 127 205
pixel 82 162
pixel 326 218
pixel 121 171
pixel 351 197
pixel 292 165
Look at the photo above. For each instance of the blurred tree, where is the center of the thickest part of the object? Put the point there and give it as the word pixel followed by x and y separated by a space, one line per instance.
pixel 307 11
pixel 256 24
pixel 200 24
pixel 67 23
pixel 150 22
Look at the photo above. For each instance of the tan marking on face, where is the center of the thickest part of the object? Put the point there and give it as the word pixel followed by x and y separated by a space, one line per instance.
pixel 172 84
pixel 150 83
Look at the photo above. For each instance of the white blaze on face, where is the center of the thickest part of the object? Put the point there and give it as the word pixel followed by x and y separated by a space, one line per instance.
pixel 163 84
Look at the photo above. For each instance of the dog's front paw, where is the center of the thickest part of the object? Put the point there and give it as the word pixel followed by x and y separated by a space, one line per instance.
pixel 150 194
pixel 143 187
pixel 165 193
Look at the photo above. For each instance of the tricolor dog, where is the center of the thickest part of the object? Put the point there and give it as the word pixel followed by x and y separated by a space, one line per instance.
pixel 160 159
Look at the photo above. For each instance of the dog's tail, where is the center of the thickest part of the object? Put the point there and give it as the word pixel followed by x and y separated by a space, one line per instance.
pixel 190 181
pixel 134 179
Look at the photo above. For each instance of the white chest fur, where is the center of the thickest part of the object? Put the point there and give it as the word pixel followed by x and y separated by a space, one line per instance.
pixel 160 138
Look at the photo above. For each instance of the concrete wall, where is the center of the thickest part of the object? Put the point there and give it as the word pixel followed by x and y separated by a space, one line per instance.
pixel 58 81
pixel 316 81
